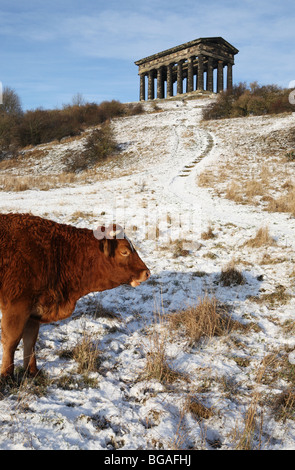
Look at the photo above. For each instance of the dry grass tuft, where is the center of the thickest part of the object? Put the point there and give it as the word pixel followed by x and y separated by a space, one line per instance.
pixel 208 235
pixel 234 192
pixel 24 387
pixel 157 365
pixel 158 368
pixel 284 203
pixel 206 319
pixel 262 238
pixel 205 179
pixel 179 250
pixel 231 276
pixel 249 438
pixel 250 433
pixel 273 299
pixel 42 182
pixel 197 409
pixel 85 353
pixel 284 405
pixel 99 311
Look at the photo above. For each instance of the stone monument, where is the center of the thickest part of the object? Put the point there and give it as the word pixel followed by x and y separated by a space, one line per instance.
pixel 191 65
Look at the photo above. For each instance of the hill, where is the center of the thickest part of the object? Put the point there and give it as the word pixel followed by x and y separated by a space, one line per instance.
pixel 201 355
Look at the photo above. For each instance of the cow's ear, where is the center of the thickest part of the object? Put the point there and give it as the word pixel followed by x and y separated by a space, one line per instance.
pixel 106 247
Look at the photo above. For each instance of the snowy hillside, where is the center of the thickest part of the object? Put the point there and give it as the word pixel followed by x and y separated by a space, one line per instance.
pixel 233 390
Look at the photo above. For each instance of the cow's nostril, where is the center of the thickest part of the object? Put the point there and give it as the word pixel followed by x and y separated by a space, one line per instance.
pixel 147 273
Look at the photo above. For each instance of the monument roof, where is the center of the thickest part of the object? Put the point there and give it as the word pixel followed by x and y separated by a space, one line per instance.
pixel 195 42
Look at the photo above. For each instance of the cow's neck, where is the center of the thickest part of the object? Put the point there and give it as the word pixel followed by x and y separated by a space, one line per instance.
pixel 97 273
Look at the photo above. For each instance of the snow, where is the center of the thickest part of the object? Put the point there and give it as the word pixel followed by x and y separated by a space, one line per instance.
pixel 152 190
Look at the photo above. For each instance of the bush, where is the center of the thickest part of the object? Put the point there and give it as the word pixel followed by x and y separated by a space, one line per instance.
pixel 7 129
pixel 222 107
pixel 99 145
pixel 39 126
pixel 255 100
pixel 11 103
pixel 10 116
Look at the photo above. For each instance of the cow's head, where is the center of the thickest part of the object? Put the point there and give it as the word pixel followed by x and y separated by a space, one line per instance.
pixel 128 267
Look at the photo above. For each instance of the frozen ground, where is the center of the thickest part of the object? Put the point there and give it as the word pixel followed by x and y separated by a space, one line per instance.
pixel 152 190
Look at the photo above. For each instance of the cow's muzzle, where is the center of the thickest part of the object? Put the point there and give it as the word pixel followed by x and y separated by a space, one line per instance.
pixel 144 275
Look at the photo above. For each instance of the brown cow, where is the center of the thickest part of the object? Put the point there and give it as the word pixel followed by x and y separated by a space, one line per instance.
pixel 45 267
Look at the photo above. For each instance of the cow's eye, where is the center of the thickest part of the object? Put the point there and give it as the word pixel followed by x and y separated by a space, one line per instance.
pixel 125 252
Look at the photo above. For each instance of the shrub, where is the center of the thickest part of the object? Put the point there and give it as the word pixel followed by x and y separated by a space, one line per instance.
pixel 40 126
pixel 133 109
pixel 254 100
pixel 11 103
pixel 10 115
pixel 7 130
pixel 100 144
pixel 222 107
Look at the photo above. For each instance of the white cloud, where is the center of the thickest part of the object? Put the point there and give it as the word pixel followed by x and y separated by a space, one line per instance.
pixel 133 30
pixel 129 35
pixel 120 35
pixel 65 39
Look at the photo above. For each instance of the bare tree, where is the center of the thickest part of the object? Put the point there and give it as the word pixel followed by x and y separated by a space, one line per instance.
pixel 11 103
pixel 78 100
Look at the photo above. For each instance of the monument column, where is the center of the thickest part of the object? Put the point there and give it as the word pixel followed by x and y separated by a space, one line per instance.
pixel 151 85
pixel 170 80
pixel 160 83
pixel 209 85
pixel 220 76
pixel 229 78
pixel 190 75
pixel 200 83
pixel 142 87
pixel 179 78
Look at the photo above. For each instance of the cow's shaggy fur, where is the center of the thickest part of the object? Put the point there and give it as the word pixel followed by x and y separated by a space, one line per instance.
pixel 45 267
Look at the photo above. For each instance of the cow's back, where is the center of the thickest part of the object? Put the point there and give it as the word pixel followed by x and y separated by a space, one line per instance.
pixel 24 254
pixel 20 255
pixel 7 246
pixel 38 254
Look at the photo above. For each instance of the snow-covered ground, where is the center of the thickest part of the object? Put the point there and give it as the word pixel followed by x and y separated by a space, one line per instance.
pixel 151 188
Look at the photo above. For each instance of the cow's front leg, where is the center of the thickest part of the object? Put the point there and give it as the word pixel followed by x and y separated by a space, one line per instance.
pixel 14 319
pixel 30 335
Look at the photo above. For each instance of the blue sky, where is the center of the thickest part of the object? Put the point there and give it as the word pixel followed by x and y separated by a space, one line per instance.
pixel 50 51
